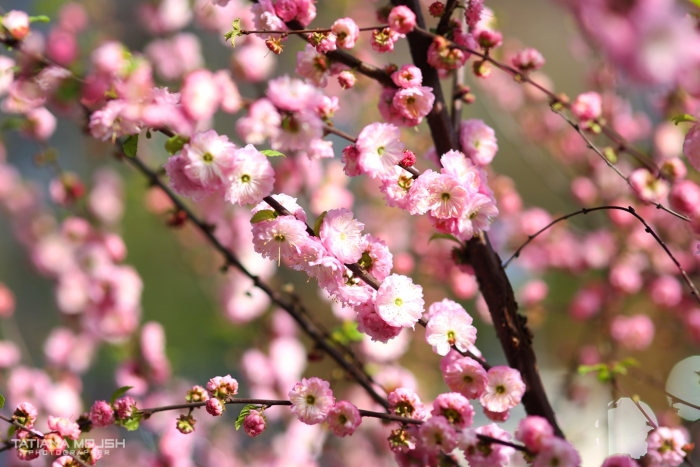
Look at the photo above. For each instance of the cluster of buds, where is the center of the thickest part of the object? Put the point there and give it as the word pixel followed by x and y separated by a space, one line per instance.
pixel 220 389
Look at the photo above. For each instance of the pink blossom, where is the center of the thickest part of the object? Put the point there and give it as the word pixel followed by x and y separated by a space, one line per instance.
pixel 110 123
pixel 7 301
pixel 691 146
pixel 343 419
pixel 533 431
pixel 376 257
pixel 478 141
pixel 482 454
pixel 110 57
pixel 40 123
pixel 478 216
pixel 405 403
pixel 634 332
pixel 254 423
pixel 399 301
pixel 380 149
pixel 466 376
pixel 222 387
pixel 498 417
pixel 347 79
pixel 685 197
pixel 370 323
pixel 455 408
pixel 312 400
pixel 200 95
pixel 279 238
pixel 587 106
pixel 586 303
pixel 346 31
pixel 9 354
pixel 101 414
pixel 647 186
pixel 448 327
pixel 350 158
pixel 447 198
pixel 174 57
pixel 489 39
pixel 557 452
pixel 473 12
pixel 528 59
pixel 262 122
pixel 214 407
pixel 197 394
pixel 64 427
pixel 665 446
pixel 382 41
pixel 666 291
pixel 414 102
pixel 402 19
pixel 438 434
pixel 28 445
pixel 289 203
pixel 291 94
pixel 7 73
pixel 124 407
pixel 251 177
pixel 286 9
pixel 17 24
pixel 504 389
pixel 444 57
pixel 619 460
pixel 54 444
pixel 534 291
pixel 313 66
pixel 341 234
pixel 205 162
pixel 25 414
pixel 297 131
pixel 408 76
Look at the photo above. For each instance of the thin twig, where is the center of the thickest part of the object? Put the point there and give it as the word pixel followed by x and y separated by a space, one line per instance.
pixel 630 209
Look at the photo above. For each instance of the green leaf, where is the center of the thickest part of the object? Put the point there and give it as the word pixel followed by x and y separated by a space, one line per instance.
pixel 350 330
pixel 234 32
pixel 131 145
pixel 318 223
pixel 175 144
pixel 585 369
pixel 264 215
pixel 444 236
pixel 272 153
pixel 695 2
pixel 11 431
pixel 120 392
pixel 245 411
pixel 39 19
pixel 684 117
pixel 2 401
pixel 132 424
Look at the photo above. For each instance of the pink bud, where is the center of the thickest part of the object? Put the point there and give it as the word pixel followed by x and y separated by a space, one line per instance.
pixel 346 79
pixel 587 106
pixel 215 407
pixel 254 423
pixel 17 24
pixel 402 19
pixel 101 414
pixel 528 59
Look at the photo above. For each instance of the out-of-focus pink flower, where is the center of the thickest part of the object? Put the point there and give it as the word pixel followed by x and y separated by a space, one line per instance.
pixel 402 19
pixel 528 59
pixel 533 431
pixel 17 24
pixel 478 141
pixel 346 31
pixel 64 427
pixel 559 452
pixel 7 301
pixel 634 332
pixel 9 354
pixel 587 106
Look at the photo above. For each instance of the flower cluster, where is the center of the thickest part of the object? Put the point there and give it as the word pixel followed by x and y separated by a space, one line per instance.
pixel 406 105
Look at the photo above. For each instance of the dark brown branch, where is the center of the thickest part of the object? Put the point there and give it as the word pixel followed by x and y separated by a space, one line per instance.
pixel 344 360
pixel 515 337
pixel 446 17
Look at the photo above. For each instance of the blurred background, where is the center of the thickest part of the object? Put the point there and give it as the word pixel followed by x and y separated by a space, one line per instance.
pixel 182 281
